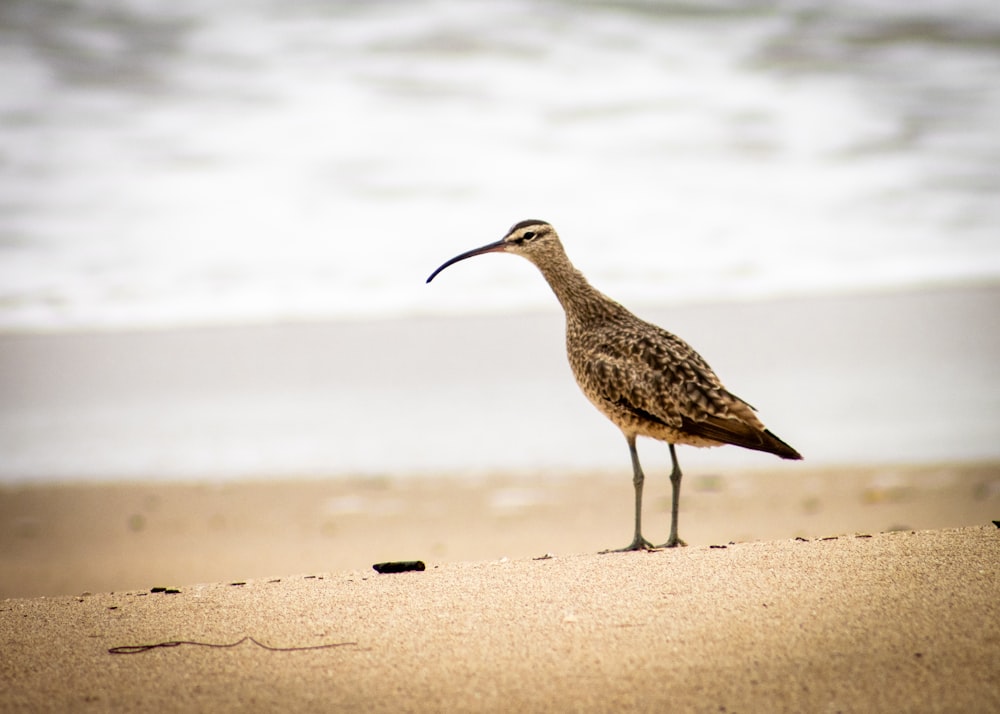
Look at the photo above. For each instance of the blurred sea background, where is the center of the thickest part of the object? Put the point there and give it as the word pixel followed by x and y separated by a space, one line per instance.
pixel 188 167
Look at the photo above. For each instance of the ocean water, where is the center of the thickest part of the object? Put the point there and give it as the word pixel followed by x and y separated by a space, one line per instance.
pixel 190 163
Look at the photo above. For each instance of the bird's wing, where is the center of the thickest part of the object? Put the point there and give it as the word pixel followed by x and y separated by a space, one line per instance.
pixel 657 376
pixel 641 370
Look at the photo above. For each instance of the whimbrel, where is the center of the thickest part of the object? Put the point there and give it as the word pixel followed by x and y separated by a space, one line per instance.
pixel 647 381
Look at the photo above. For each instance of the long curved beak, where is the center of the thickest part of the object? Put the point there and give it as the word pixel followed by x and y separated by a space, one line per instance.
pixel 496 247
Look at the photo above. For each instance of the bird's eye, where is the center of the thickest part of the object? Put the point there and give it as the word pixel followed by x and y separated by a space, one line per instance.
pixel 528 236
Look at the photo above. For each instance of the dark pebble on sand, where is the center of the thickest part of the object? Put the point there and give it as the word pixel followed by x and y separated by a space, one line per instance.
pixel 399 566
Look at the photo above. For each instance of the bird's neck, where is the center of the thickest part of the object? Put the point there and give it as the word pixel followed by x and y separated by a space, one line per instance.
pixel 579 299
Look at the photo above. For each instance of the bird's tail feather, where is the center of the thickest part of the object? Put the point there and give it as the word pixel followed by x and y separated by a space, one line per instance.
pixel 739 433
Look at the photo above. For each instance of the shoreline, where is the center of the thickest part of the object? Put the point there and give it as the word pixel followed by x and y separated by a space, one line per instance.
pixel 489 312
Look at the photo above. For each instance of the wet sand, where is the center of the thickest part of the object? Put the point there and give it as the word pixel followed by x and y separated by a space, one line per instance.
pixel 909 377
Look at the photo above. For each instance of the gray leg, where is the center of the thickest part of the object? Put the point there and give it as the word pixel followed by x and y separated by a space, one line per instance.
pixel 638 542
pixel 675 483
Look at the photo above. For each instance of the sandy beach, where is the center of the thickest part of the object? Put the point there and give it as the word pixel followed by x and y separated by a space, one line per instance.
pixel 790 597
pixel 230 393
pixel 902 621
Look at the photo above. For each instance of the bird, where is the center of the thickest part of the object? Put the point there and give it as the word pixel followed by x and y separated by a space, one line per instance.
pixel 645 380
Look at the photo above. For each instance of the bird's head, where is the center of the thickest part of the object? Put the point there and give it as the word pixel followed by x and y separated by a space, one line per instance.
pixel 532 238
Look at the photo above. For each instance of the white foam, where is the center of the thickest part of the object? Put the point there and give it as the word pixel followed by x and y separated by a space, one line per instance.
pixel 280 164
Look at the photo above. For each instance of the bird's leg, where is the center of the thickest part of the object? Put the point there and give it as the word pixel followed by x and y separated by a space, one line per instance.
pixel 675 484
pixel 638 542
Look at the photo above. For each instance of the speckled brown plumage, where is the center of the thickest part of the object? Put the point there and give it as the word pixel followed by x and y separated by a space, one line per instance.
pixel 644 379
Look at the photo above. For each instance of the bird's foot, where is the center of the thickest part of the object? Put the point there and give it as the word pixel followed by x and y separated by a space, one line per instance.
pixel 638 543
pixel 674 542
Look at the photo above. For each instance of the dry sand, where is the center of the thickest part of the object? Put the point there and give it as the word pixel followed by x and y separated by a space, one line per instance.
pixel 902 621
